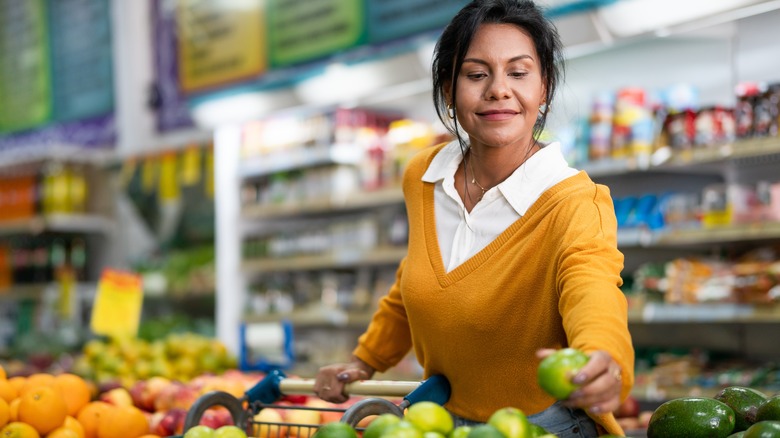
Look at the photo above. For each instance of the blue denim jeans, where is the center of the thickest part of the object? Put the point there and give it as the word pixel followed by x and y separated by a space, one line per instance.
pixel 557 419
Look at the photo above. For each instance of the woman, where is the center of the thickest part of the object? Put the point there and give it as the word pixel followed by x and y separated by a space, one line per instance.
pixel 512 253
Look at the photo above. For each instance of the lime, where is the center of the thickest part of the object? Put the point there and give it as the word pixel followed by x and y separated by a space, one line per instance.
pixel 229 432
pixel 511 422
pixel 379 425
pixel 429 417
pixel 199 432
pixel 536 431
pixel 485 431
pixel 335 429
pixel 460 432
pixel 556 370
pixel 402 429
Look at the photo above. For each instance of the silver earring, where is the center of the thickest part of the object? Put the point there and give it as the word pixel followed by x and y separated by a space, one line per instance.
pixel 450 111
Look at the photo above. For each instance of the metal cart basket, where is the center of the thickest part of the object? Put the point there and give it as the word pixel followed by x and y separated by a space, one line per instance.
pixel 275 385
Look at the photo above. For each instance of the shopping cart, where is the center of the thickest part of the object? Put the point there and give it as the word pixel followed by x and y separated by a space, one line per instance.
pixel 275 385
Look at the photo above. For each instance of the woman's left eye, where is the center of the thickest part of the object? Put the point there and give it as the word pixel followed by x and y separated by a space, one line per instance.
pixel 518 74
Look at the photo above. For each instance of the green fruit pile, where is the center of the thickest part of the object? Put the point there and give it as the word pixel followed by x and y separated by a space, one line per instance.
pixel 735 411
pixel 179 356
pixel 430 420
pixel 221 432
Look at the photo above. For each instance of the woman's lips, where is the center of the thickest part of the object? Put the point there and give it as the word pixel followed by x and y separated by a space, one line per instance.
pixel 497 115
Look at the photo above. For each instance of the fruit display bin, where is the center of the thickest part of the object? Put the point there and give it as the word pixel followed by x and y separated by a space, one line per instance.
pixel 275 385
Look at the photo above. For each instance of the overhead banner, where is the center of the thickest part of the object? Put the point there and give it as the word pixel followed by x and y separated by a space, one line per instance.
pixel 392 19
pixel 300 31
pixel 25 86
pixel 219 42
pixel 81 58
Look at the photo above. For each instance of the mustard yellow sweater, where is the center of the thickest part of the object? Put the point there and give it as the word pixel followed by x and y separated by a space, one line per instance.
pixel 550 280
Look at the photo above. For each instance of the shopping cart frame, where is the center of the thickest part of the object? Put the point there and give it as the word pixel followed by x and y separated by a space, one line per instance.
pixel 275 385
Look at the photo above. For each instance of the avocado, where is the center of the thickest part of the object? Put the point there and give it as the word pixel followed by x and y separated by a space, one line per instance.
pixel 769 410
pixel 691 417
pixel 763 429
pixel 745 402
pixel 740 434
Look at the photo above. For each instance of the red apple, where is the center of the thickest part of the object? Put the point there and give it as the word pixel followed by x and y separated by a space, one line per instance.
pixel 629 408
pixel 172 423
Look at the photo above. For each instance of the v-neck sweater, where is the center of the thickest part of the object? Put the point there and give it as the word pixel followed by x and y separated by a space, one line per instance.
pixel 550 280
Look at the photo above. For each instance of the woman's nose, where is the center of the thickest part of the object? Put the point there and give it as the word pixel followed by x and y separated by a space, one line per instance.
pixel 497 88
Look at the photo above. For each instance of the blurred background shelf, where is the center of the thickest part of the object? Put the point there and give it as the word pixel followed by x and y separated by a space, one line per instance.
pixel 341 259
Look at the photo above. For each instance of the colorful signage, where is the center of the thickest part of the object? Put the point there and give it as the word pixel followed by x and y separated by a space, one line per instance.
pixel 304 30
pixel 219 41
pixel 392 19
pixel 25 88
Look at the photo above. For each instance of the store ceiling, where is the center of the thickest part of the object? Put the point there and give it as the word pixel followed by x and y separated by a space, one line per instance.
pixel 387 78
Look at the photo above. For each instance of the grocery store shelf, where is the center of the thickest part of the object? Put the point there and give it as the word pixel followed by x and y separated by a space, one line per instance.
pixel 346 202
pixel 318 318
pixel 23 292
pixel 653 313
pixel 65 223
pixel 300 158
pixel 664 160
pixel 12 159
pixel 340 259
pixel 642 237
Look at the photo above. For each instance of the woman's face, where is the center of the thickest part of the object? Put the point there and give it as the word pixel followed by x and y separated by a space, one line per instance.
pixel 499 87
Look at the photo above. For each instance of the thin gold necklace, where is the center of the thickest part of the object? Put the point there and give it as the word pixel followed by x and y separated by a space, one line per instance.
pixel 474 179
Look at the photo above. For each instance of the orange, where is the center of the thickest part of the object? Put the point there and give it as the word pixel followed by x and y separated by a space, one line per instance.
pixel 43 408
pixel 74 390
pixel 62 432
pixel 123 422
pixel 13 409
pixel 149 436
pixel 36 380
pixel 90 415
pixel 19 430
pixel 3 374
pixel 7 391
pixel 17 382
pixel 74 425
pixel 5 413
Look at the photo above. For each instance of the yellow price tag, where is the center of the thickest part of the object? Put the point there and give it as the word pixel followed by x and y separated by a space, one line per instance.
pixel 169 184
pixel 149 176
pixel 117 308
pixel 190 166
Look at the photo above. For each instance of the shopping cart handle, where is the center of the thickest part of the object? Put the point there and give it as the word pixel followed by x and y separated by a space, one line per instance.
pixel 275 384
pixel 435 388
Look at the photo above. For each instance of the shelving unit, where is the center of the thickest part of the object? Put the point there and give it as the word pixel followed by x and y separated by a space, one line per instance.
pixel 742 160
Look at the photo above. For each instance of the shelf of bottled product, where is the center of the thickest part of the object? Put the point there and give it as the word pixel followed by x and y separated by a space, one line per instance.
pixel 22 157
pixel 300 158
pixel 64 223
pixel 337 202
pixel 339 258
pixel 666 160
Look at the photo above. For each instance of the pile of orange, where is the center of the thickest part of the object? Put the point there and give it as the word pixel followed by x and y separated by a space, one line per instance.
pixel 61 406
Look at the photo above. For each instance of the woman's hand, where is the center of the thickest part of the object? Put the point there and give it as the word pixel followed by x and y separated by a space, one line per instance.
pixel 600 383
pixel 330 380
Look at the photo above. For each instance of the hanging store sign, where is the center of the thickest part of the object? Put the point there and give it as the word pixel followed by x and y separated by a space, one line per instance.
pixel 304 30
pixel 392 19
pixel 219 41
pixel 25 87
pixel 82 71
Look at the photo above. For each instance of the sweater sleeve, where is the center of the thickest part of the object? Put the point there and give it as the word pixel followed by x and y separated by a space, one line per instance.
pixel 593 308
pixel 388 338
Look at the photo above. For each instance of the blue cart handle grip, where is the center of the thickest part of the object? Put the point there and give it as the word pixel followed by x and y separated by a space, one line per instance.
pixel 435 389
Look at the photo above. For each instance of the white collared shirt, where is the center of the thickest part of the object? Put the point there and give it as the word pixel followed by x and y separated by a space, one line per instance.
pixel 462 234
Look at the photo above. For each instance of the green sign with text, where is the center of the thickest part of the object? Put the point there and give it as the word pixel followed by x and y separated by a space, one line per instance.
pixel 304 30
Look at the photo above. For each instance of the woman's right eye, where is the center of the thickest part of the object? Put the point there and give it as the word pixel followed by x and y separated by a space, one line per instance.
pixel 476 75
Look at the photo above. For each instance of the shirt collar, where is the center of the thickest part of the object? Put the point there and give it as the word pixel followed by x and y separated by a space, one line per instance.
pixel 523 187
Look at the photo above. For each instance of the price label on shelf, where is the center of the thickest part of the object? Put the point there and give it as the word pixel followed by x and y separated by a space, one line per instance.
pixel 117 309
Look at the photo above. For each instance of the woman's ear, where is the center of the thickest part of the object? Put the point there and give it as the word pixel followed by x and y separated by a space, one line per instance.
pixel 447 90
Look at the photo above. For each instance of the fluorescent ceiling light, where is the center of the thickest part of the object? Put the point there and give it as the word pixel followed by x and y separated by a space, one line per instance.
pixel 634 17
pixel 242 107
